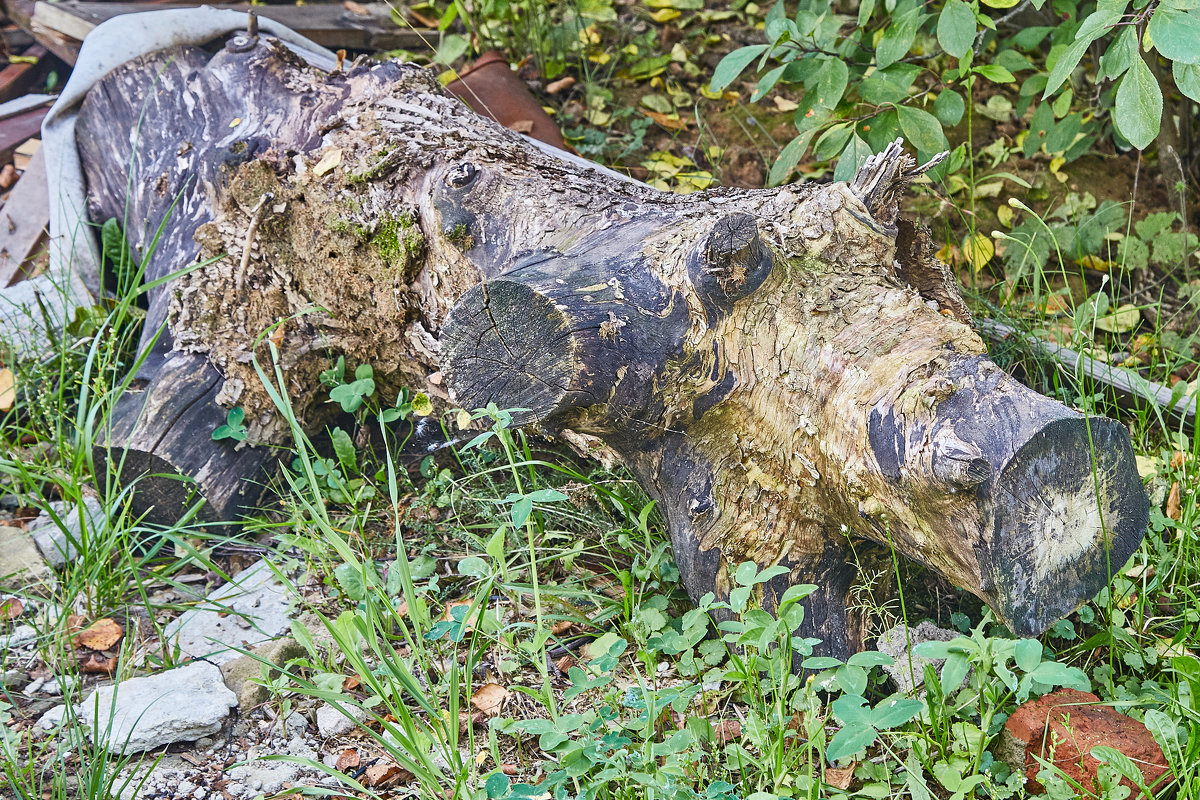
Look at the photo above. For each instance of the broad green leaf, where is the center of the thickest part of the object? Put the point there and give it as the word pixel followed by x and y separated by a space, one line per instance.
pixel 995 73
pixel 953 672
pixel 1028 653
pixel 732 65
pixel 350 578
pixel 520 512
pixel 878 90
pixel 767 82
pixel 949 107
pixel 831 84
pixel 850 740
pixel 898 38
pixel 832 141
pixel 922 130
pixel 1187 79
pixel 1000 3
pixel 343 448
pixel 1138 110
pixel 1100 21
pixel 1120 54
pixel 1068 59
pixel 789 157
pixel 956 28
pixel 857 151
pixel 895 711
pixel 547 496
pixel 474 566
pixel 865 9
pixel 1176 33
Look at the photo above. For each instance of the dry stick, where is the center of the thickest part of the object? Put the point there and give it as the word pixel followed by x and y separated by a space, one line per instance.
pixel 256 216
pixel 1124 381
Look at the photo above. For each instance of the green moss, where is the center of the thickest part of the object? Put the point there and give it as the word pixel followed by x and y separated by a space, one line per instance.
pixel 460 236
pixel 398 241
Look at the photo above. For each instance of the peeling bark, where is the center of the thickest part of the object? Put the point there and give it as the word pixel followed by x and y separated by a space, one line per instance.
pixel 781 369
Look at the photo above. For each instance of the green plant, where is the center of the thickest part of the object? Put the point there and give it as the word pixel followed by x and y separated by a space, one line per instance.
pixel 904 68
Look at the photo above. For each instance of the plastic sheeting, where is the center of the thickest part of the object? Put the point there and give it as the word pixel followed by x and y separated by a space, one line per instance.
pixel 33 312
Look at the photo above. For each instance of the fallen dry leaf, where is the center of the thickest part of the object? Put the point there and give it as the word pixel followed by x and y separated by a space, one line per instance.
pixel 727 730
pixel 1178 459
pixel 1173 502
pixel 351 683
pixel 97 664
pixel 8 389
pixel 785 105
pixel 100 635
pixel 383 773
pixel 11 608
pixel 509 769
pixel 490 698
pixel 672 122
pixel 565 663
pixel 347 759
pixel 357 9
pixel 74 624
pixel 561 627
pixel 521 126
pixel 840 778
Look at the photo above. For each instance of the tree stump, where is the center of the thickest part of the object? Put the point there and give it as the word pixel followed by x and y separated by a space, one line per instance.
pixel 781 369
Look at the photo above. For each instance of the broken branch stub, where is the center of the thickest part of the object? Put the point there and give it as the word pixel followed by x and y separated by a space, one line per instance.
pixel 774 367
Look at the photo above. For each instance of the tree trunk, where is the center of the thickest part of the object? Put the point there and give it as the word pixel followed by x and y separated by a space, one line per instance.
pixel 780 369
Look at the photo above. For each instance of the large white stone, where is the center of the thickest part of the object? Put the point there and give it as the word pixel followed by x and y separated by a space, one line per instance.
pixel 178 705
pixel 252 609
pixel 908 672
pixel 59 541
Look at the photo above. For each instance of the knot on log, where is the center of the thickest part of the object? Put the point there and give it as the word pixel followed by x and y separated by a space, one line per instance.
pixel 734 261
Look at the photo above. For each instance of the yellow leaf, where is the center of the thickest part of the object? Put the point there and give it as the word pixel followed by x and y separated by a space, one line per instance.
pixel 1147 467
pixel 1125 318
pixel 236 121
pixel 1094 262
pixel 1005 215
pixel 8 389
pixel 665 14
pixel 978 250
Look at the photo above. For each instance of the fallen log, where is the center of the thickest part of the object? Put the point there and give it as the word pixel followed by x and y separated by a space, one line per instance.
pixel 780 369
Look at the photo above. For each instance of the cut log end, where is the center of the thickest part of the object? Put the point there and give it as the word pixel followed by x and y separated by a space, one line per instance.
pixel 508 344
pixel 1069 512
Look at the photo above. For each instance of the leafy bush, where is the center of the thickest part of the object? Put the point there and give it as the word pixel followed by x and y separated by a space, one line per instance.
pixel 911 69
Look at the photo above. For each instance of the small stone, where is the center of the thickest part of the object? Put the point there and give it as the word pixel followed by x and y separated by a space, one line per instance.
pixel 182 704
pixel 909 670
pixel 200 793
pixel 185 787
pixel 12 678
pixel 204 743
pixel 21 563
pixel 295 724
pixel 60 685
pixel 35 685
pixel 59 540
pixel 1064 726
pixel 20 636
pixel 331 722
pixel 52 718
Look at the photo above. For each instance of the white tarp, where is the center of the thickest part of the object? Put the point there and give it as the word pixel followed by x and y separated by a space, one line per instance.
pixel 73 273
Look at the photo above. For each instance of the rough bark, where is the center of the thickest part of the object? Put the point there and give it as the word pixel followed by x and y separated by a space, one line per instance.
pixel 781 369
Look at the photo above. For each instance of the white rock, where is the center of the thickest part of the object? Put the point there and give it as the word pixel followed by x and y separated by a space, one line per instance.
pixel 60 685
pixel 34 686
pixel 59 541
pixel 200 793
pixel 21 636
pixel 182 704
pixel 896 644
pixel 295 723
pixel 13 678
pixel 252 609
pixel 52 718
pixel 331 722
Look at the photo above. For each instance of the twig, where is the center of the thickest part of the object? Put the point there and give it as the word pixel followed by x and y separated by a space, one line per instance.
pixel 256 216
